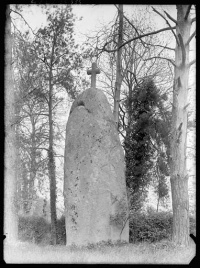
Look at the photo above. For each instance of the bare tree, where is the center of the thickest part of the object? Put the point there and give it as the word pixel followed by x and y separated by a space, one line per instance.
pixel 118 71
pixel 178 141
pixel 10 190
pixel 178 176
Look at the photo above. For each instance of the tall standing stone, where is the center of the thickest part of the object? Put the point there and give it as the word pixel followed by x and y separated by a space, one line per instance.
pixel 96 207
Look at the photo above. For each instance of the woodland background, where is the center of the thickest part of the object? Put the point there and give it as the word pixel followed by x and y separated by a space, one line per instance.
pixel 49 69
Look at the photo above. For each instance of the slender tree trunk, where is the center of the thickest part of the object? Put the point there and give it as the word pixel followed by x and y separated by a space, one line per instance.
pixel 52 175
pixel 179 178
pixel 10 186
pixel 158 177
pixel 24 190
pixel 32 164
pixel 118 71
pixel 129 110
pixel 158 203
pixel 18 174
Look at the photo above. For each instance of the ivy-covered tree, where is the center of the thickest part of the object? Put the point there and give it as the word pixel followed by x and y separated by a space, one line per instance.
pixel 144 139
pixel 138 148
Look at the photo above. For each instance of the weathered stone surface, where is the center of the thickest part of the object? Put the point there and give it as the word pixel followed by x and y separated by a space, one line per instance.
pixel 96 206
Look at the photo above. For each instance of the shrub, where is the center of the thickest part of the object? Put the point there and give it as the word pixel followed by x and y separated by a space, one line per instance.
pixel 33 229
pixel 103 243
pixel 25 229
pixel 38 230
pixel 153 226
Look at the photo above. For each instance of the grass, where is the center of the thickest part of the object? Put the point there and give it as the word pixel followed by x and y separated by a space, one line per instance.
pixel 163 252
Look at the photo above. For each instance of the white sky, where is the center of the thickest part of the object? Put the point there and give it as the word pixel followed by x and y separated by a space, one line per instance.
pixel 95 15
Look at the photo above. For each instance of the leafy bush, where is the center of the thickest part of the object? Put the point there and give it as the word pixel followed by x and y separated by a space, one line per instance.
pixel 153 226
pixel 38 230
pixel 33 229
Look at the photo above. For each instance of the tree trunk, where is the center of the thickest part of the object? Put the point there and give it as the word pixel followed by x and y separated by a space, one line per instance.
pixel 158 177
pixel 118 71
pixel 52 178
pixel 33 163
pixel 179 178
pixel 10 186
pixel 158 203
pixel 52 175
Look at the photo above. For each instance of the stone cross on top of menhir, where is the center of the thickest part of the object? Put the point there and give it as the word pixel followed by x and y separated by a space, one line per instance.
pixel 93 72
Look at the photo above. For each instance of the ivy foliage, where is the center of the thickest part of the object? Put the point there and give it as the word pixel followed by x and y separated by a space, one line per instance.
pixel 146 132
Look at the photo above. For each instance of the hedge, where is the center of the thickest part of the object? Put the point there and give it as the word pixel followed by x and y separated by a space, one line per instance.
pixel 153 226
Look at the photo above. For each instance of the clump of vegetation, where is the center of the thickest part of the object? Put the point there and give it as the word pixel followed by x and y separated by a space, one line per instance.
pixel 38 230
pixel 34 229
pixel 150 227
pixel 153 227
pixel 100 245
pixel 145 124
pixel 108 243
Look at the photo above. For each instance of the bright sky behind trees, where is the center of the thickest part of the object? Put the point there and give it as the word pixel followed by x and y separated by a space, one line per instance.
pixel 95 15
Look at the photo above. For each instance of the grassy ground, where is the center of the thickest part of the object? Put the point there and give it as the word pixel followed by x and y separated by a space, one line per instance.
pixel 142 253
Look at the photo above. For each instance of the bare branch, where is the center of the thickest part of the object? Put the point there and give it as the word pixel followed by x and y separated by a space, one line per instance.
pixel 122 118
pixel 182 48
pixel 193 20
pixel 132 26
pixel 160 46
pixel 23 19
pixel 135 38
pixel 186 106
pixel 17 30
pixel 190 38
pixel 192 62
pixel 42 148
pixel 159 13
pixel 187 12
pixel 167 23
pixel 121 134
pixel 170 17
pixel 133 76
pixel 157 57
pixel 56 104
pixel 59 155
